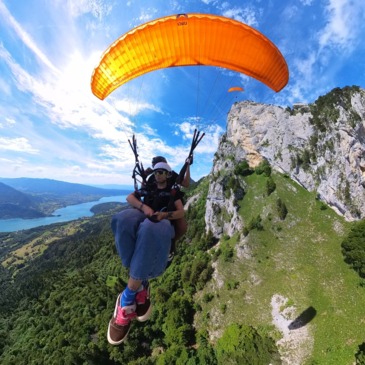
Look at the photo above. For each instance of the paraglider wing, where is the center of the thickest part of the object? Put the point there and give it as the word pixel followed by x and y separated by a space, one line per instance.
pixel 186 40
pixel 235 88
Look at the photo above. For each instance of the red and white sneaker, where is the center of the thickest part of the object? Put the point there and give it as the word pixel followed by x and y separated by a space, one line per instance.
pixel 120 323
pixel 143 304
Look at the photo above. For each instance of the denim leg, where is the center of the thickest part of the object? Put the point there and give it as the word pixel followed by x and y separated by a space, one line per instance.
pixel 125 226
pixel 152 249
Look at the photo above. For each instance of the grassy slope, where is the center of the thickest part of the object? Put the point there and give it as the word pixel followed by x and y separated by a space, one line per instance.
pixel 299 258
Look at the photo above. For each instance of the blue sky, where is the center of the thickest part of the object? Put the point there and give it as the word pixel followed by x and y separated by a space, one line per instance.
pixel 52 126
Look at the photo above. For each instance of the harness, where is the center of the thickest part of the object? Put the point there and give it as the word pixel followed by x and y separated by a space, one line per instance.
pixel 147 190
pixel 157 199
pixel 140 172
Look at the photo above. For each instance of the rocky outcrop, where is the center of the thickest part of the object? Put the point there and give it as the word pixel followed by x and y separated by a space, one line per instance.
pixel 321 146
pixel 221 213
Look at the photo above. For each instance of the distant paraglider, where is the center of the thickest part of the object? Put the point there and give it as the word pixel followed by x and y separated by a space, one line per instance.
pixel 235 88
pixel 187 40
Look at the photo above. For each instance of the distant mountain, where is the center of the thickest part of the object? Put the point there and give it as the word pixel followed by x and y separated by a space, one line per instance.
pixel 115 186
pixel 32 198
pixel 14 203
pixel 49 186
pixel 9 195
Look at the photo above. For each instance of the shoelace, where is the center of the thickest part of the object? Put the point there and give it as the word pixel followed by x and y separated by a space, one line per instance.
pixel 123 317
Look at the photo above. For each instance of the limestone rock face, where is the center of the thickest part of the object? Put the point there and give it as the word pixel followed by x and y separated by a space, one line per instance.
pixel 221 213
pixel 321 146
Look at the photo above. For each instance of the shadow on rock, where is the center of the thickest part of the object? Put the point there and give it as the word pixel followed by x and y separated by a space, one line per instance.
pixel 303 319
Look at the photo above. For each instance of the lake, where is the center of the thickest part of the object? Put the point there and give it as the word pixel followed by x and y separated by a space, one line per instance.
pixel 66 214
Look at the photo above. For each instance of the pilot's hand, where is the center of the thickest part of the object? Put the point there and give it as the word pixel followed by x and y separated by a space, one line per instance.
pixel 148 211
pixel 148 171
pixel 159 216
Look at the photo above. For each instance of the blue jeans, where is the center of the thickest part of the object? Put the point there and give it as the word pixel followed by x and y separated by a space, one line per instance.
pixel 142 245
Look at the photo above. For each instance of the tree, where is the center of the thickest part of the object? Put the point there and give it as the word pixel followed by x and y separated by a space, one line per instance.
pixel 242 169
pixel 270 186
pixel 178 327
pixel 282 209
pixel 353 248
pixel 263 168
pixel 360 355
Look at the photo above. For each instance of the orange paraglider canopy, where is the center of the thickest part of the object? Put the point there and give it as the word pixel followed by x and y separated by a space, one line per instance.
pixel 235 88
pixel 186 40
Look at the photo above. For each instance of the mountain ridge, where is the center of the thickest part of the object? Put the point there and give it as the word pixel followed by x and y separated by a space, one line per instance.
pixel 51 186
pixel 14 203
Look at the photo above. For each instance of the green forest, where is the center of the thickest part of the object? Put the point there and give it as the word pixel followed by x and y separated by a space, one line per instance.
pixel 55 307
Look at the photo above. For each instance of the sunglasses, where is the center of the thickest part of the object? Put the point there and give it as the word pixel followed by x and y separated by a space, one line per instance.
pixel 160 172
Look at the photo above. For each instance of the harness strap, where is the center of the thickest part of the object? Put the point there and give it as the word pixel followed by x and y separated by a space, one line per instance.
pixel 138 167
pixel 189 160
pixel 176 187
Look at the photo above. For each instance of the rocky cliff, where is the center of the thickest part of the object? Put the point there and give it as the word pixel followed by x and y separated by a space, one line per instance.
pixel 321 146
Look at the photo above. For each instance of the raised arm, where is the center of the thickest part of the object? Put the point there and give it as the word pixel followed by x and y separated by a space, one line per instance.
pixel 186 182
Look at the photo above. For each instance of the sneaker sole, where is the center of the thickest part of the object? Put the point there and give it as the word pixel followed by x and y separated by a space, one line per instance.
pixel 146 316
pixel 112 342
pixel 115 343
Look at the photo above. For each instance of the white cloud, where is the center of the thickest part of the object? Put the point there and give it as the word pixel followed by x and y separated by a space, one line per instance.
pixel 67 99
pixel 133 107
pixel 67 102
pixel 8 122
pixel 187 129
pixel 305 68
pixel 290 12
pixel 97 8
pixel 321 53
pixel 246 15
pixel 344 20
pixel 146 15
pixel 17 145
pixel 25 37
pixel 303 73
pixel 63 94
pixel 209 142
pixel 207 2
pixel 4 86
pixel 15 161
pixel 203 154
pixel 149 131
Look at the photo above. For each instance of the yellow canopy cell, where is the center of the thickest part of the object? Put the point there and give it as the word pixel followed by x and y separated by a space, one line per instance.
pixel 186 40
